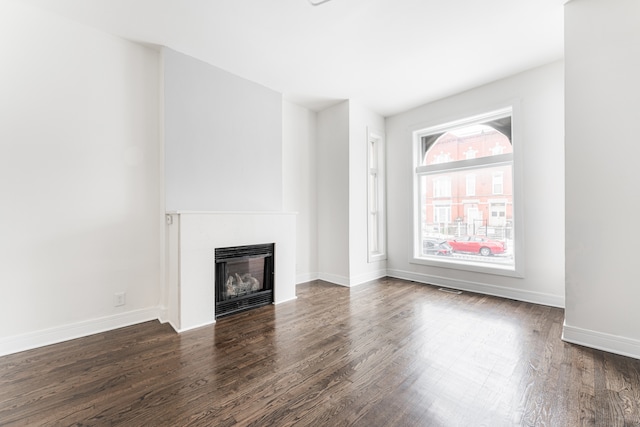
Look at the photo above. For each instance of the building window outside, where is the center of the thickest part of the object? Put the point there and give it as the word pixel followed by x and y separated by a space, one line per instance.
pixel 470 153
pixel 442 187
pixel 481 229
pixel 497 183
pixel 442 158
pixel 442 214
pixel 498 216
pixel 471 184
pixel 498 149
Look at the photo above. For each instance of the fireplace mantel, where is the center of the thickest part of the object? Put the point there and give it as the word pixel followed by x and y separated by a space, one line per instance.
pixel 191 240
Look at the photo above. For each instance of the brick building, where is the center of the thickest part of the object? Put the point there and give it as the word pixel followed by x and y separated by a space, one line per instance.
pixel 473 200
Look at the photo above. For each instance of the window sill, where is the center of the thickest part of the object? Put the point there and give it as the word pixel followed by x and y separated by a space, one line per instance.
pixel 443 262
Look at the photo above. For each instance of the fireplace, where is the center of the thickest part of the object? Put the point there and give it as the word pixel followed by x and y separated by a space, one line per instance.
pixel 243 278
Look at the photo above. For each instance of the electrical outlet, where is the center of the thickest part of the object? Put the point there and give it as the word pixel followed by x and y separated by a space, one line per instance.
pixel 120 299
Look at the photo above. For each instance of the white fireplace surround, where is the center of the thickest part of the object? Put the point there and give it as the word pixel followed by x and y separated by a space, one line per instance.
pixel 192 238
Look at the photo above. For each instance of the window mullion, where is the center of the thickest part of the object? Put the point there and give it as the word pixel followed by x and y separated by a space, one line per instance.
pixel 483 162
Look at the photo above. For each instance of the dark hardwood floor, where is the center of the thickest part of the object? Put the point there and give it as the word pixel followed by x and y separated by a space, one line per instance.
pixel 388 353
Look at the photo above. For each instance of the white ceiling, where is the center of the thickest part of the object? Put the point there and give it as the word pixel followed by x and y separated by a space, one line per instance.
pixel 390 55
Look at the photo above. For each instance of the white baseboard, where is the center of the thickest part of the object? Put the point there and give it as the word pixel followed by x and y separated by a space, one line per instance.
pixel 353 280
pixel 614 344
pixel 173 326
pixel 31 340
pixel 201 325
pixel 335 279
pixel 367 277
pixel 601 341
pixel 163 314
pixel 285 300
pixel 481 288
pixel 304 278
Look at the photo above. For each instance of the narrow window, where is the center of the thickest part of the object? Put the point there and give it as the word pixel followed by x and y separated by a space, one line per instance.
pixel 471 184
pixel 497 182
pixel 376 221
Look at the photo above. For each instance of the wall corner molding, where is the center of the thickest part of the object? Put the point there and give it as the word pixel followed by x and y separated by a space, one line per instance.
pixel 601 341
pixel 305 278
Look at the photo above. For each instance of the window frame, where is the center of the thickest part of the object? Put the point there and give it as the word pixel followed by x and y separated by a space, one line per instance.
pixel 376 197
pixel 514 159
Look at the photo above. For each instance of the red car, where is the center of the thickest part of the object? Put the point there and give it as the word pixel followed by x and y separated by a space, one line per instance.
pixel 477 245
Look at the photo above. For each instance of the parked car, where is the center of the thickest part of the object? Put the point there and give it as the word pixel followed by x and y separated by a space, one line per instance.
pixel 436 247
pixel 477 245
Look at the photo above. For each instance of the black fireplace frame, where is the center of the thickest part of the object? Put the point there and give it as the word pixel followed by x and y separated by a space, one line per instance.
pixel 236 304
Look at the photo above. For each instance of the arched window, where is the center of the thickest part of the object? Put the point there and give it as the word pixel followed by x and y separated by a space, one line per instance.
pixel 464 192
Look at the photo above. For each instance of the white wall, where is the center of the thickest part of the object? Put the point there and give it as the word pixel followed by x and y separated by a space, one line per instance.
pixel 541 126
pixel 79 179
pixel 333 193
pixel 342 194
pixel 602 46
pixel 361 122
pixel 300 184
pixel 223 139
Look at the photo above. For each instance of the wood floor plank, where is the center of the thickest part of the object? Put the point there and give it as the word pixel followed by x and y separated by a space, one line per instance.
pixel 388 353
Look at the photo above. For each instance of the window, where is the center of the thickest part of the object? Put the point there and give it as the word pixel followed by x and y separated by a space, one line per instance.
pixel 459 168
pixel 470 153
pixel 442 187
pixel 442 214
pixel 497 149
pixel 376 225
pixel 471 184
pixel 498 213
pixel 442 158
pixel 497 182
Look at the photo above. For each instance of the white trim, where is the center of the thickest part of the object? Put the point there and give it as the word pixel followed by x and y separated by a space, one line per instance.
pixel 31 340
pixel 467 120
pixel 518 190
pixel 455 264
pixel 230 213
pixel 285 300
pixel 377 138
pixel 462 165
pixel 191 327
pixel 481 288
pixel 367 277
pixel 163 314
pixel 304 278
pixel 173 326
pixel 352 280
pixel 601 341
pixel 335 279
pixel 509 108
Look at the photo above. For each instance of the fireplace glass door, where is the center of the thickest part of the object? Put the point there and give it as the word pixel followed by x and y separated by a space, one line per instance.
pixel 244 278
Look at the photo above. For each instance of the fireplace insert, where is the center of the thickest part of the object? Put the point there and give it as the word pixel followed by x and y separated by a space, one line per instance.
pixel 243 278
